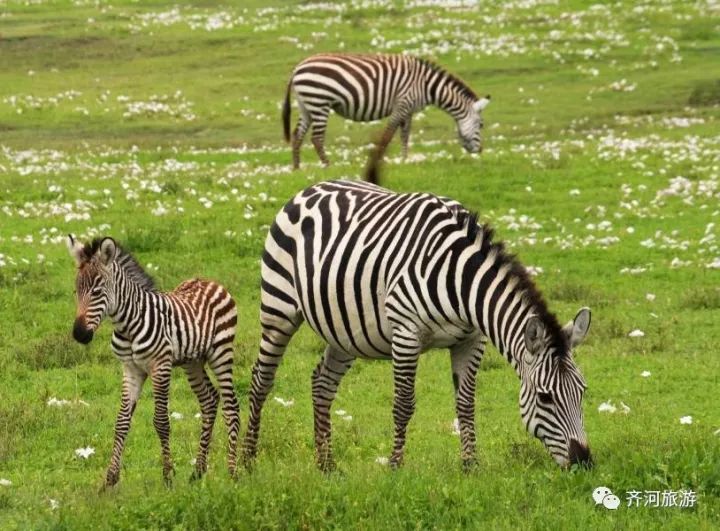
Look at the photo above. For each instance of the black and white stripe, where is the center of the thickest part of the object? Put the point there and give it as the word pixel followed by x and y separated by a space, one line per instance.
pixel 384 275
pixel 191 326
pixel 371 87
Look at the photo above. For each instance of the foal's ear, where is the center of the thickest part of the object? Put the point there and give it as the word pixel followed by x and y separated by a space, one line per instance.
pixel 75 248
pixel 108 251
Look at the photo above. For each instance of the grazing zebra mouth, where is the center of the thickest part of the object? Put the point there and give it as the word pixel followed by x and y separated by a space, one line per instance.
pixel 579 455
pixel 81 333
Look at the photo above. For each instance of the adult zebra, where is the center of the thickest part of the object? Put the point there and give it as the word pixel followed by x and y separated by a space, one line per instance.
pixel 384 275
pixel 370 87
pixel 190 326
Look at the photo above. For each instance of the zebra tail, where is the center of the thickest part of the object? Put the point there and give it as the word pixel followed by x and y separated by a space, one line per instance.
pixel 372 172
pixel 286 113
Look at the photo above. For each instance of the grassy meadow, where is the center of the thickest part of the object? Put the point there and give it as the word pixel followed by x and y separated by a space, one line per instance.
pixel 158 123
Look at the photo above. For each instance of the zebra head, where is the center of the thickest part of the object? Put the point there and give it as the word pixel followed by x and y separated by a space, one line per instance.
pixel 94 288
pixel 470 124
pixel 552 389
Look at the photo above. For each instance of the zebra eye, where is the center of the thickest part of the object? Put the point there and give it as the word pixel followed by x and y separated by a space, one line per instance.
pixel 96 291
pixel 545 398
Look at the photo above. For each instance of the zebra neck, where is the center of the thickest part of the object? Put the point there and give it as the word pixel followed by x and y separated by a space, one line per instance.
pixel 446 93
pixel 132 304
pixel 502 314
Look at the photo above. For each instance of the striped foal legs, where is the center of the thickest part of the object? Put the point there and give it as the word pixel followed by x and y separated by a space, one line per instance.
pixel 325 380
pixel 208 398
pixel 465 360
pixel 160 377
pixel 405 353
pixel 133 379
pixel 221 364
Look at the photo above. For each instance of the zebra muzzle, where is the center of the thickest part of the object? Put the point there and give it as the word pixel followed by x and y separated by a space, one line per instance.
pixel 81 333
pixel 579 454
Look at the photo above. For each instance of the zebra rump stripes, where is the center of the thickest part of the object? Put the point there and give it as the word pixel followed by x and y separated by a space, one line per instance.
pixel 191 326
pixel 384 275
pixel 371 87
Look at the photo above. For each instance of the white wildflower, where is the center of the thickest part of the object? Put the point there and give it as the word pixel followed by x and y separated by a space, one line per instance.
pixel 85 452
pixel 636 333
pixel 645 374
pixel 607 406
pixel 686 420
pixel 283 402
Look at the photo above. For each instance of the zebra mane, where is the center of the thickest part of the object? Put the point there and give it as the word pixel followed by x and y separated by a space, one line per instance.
pixel 455 81
pixel 126 261
pixel 483 235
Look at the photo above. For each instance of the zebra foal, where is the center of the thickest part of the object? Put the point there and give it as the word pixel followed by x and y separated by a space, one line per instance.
pixel 375 86
pixel 191 326
pixel 383 275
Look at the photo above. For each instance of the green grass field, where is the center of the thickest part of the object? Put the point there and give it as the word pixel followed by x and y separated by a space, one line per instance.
pixel 159 125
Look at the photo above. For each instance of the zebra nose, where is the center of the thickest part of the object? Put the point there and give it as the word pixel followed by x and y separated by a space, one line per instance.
pixel 579 454
pixel 81 333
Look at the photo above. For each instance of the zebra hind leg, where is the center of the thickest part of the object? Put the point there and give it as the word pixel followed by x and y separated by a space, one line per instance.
pixel 161 388
pixel 297 139
pixel 325 381
pixel 405 136
pixel 405 353
pixel 208 398
pixel 465 360
pixel 276 334
pixel 221 363
pixel 319 125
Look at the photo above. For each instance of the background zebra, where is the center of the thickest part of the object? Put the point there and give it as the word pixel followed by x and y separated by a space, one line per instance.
pixel 385 275
pixel 370 87
pixel 189 326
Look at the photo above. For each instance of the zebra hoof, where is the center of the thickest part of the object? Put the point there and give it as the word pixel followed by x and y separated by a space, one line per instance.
pixel 327 466
pixel 395 462
pixel 196 475
pixel 469 465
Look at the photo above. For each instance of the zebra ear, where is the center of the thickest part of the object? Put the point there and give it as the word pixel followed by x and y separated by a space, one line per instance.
pixel 534 337
pixel 577 329
pixel 108 250
pixel 75 249
pixel 480 104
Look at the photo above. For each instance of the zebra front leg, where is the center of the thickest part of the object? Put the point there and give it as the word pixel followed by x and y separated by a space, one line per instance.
pixel 405 136
pixel 160 377
pixel 133 379
pixel 325 381
pixel 465 361
pixel 221 363
pixel 208 398
pixel 276 334
pixel 405 353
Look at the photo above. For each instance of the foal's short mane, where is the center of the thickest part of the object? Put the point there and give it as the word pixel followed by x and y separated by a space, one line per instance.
pixel 469 221
pixel 126 261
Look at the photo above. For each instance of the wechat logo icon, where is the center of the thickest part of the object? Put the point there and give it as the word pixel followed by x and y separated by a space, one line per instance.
pixel 604 496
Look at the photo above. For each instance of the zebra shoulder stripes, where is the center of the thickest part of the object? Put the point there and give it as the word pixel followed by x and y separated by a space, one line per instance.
pixel 190 326
pixel 386 275
pixel 372 87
